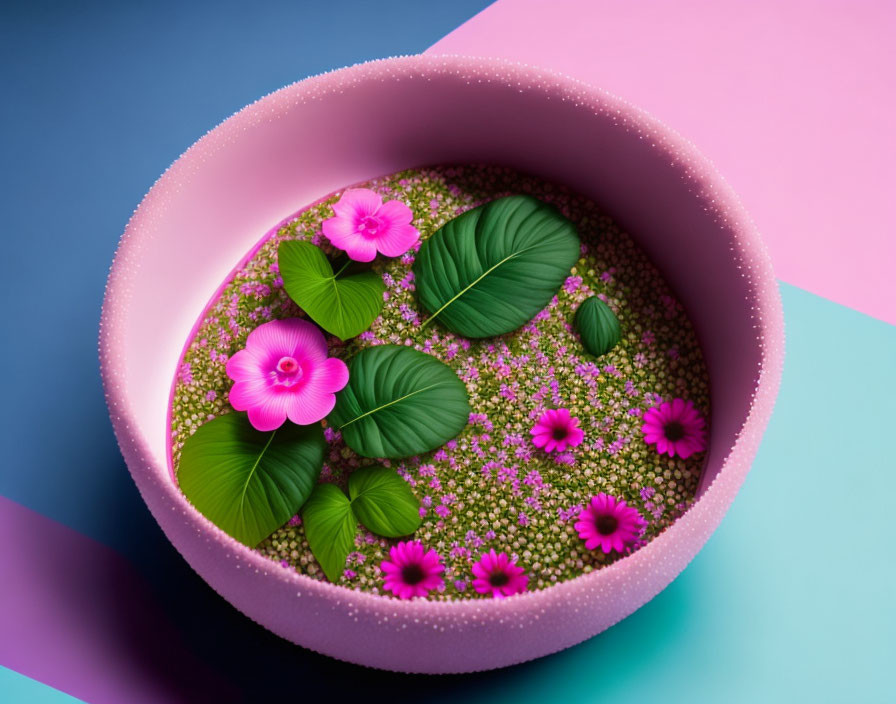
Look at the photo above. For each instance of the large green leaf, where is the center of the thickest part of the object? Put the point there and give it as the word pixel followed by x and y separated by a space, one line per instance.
pixel 399 402
pixel 597 326
pixel 384 502
pixel 247 482
pixel 342 305
pixel 491 269
pixel 330 528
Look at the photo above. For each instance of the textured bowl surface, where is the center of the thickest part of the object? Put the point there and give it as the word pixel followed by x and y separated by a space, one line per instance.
pixel 323 133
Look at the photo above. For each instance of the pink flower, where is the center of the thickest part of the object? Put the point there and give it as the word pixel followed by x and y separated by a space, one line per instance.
pixel 363 225
pixel 284 372
pixel 498 575
pixel 676 428
pixel 412 570
pixel 556 430
pixel 609 523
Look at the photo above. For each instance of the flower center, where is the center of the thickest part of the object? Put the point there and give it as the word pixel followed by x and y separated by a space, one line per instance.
pixel 369 226
pixel 289 371
pixel 287 365
pixel 412 574
pixel 498 579
pixel 673 431
pixel 606 525
pixel 558 433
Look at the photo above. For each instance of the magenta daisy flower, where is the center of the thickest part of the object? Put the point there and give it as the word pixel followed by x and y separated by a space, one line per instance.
pixel 609 523
pixel 412 570
pixel 363 225
pixel 556 430
pixel 498 575
pixel 284 372
pixel 676 428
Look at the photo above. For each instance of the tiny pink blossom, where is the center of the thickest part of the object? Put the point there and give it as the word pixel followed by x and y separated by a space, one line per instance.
pixel 572 283
pixel 609 523
pixel 363 225
pixel 498 575
pixel 557 430
pixel 284 372
pixel 412 570
pixel 676 428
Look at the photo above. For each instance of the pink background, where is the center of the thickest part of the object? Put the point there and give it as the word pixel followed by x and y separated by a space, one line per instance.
pixel 801 123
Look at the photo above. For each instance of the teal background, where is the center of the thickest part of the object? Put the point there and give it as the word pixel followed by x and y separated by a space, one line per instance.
pixel 18 688
pixel 792 598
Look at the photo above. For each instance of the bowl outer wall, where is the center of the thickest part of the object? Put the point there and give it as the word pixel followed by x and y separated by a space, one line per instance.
pixel 207 209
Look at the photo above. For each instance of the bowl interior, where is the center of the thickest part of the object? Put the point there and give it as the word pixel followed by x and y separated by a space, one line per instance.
pixel 296 146
pixel 317 136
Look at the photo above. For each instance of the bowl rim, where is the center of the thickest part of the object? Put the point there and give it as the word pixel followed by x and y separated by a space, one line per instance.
pixel 767 314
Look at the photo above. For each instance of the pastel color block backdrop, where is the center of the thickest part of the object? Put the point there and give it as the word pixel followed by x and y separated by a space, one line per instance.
pixel 791 598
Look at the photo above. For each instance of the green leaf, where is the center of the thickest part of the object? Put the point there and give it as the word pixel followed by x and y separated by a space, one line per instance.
pixel 597 326
pixel 399 402
pixel 330 528
pixel 247 482
pixel 381 500
pixel 491 269
pixel 342 305
pixel 384 502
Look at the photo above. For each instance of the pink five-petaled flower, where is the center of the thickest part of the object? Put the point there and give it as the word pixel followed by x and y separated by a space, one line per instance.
pixel 412 570
pixel 363 225
pixel 609 523
pixel 556 430
pixel 498 575
pixel 284 372
pixel 675 427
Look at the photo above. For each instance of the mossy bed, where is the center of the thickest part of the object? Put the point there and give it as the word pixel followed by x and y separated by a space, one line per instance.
pixel 489 487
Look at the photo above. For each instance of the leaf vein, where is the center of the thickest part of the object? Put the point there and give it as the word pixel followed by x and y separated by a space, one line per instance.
pixel 393 402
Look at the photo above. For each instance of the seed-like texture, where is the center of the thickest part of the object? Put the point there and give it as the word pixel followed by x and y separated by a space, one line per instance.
pixel 490 488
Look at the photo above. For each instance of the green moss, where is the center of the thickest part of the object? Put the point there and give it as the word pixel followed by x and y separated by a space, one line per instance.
pixel 657 355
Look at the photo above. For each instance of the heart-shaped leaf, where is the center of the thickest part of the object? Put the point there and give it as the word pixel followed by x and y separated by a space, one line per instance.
pixel 380 499
pixel 342 305
pixel 399 402
pixel 598 326
pixel 330 528
pixel 247 482
pixel 491 269
pixel 384 502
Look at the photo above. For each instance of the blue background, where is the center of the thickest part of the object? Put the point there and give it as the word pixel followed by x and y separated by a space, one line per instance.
pixel 792 597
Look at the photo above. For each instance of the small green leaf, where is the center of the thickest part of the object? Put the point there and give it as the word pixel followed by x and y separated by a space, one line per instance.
pixel 342 305
pixel 597 326
pixel 491 269
pixel 384 502
pixel 330 528
pixel 399 402
pixel 247 482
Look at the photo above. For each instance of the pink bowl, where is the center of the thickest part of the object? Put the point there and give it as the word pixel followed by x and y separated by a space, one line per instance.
pixel 318 135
